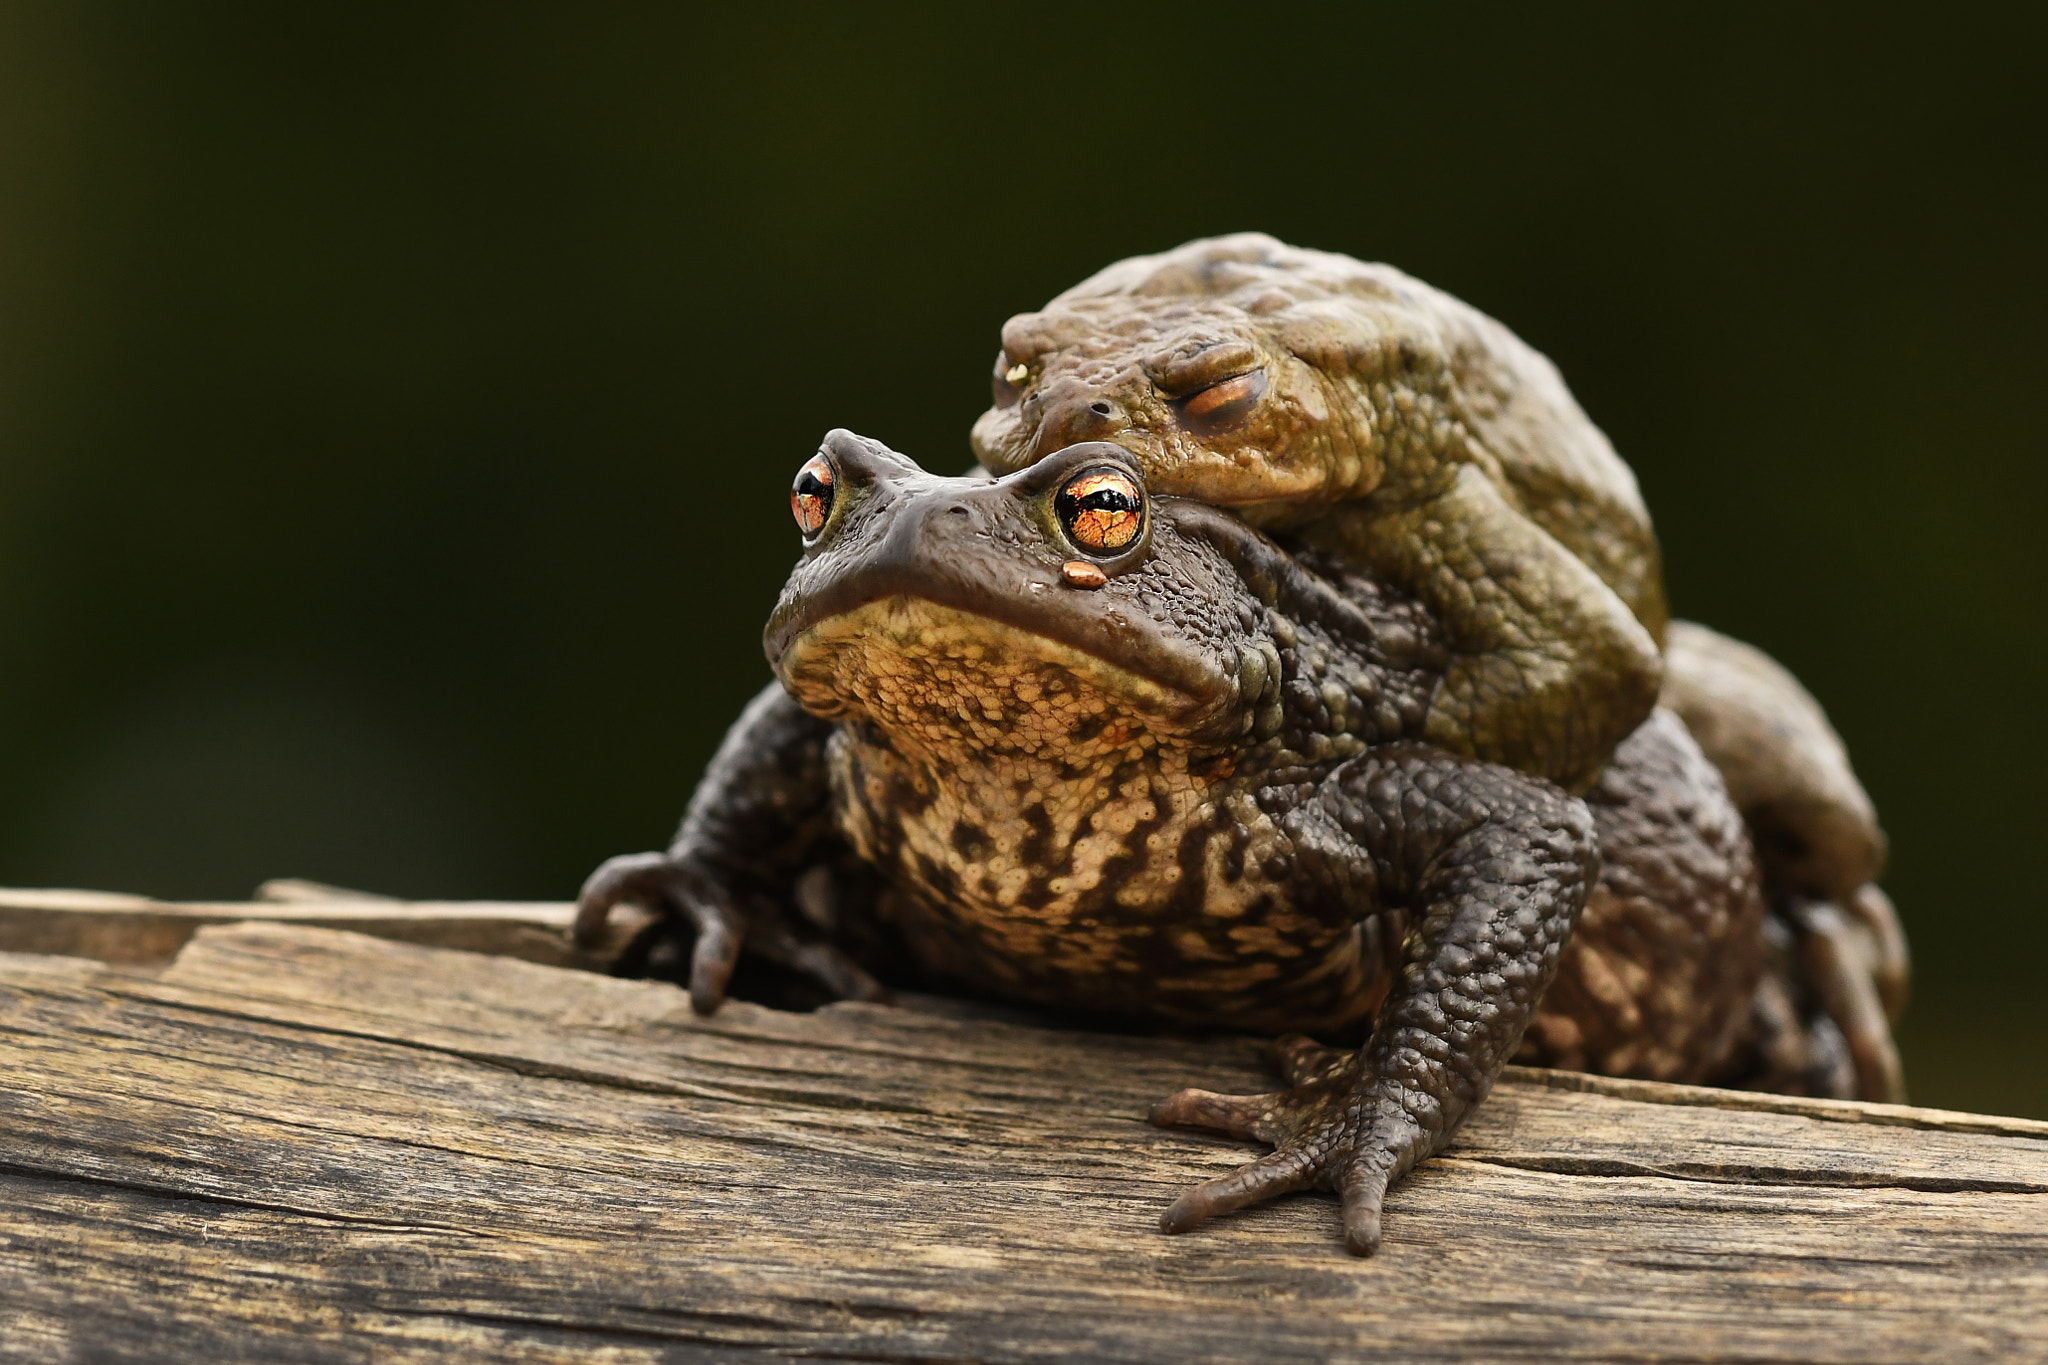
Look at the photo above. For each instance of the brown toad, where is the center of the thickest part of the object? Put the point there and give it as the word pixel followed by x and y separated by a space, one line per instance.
pixel 1383 420
pixel 1084 746
pixel 1364 413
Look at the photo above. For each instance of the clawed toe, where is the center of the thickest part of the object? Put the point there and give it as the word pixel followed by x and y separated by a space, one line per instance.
pixel 1241 1116
pixel 1276 1173
pixel 649 878
pixel 1850 973
pixel 1363 1191
pixel 1340 1127
pixel 840 975
pixel 718 930
pixel 713 960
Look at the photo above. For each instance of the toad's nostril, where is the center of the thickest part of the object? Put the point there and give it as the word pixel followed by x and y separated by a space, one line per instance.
pixel 1076 417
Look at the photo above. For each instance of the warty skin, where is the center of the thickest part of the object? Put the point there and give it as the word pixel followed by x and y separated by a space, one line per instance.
pixel 1390 423
pixel 1200 792
pixel 1355 409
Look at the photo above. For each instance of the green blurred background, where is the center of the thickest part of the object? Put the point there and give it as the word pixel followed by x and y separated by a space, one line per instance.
pixel 397 405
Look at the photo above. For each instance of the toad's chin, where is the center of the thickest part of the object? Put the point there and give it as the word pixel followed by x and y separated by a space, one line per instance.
pixel 939 678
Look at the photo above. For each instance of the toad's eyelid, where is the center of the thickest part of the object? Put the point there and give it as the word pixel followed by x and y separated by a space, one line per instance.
pixel 1223 393
pixel 1185 390
pixel 1183 373
pixel 1102 481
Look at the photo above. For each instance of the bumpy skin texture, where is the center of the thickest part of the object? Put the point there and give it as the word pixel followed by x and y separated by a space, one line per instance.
pixel 1351 407
pixel 1361 409
pixel 1492 869
pixel 1671 943
pixel 1200 792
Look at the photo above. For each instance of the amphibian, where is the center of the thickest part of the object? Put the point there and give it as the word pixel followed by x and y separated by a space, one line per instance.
pixel 1116 752
pixel 1368 413
pixel 1356 409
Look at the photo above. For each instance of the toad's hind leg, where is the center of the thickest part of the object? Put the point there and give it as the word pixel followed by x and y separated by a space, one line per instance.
pixel 1822 1019
pixel 1660 975
pixel 1549 668
pixel 1820 852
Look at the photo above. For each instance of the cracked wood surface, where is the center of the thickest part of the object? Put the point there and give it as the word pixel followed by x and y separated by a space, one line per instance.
pixel 298 1144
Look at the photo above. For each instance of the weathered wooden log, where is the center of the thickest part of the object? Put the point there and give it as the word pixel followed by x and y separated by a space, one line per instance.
pixel 296 1144
pixel 111 927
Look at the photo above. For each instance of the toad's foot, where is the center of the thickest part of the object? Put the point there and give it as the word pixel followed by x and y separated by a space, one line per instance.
pixel 1336 1127
pixel 684 893
pixel 1854 956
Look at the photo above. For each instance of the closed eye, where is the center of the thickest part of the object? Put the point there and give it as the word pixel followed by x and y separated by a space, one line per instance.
pixel 1223 405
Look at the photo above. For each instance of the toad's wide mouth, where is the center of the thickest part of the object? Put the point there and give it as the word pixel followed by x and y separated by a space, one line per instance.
pixel 936 672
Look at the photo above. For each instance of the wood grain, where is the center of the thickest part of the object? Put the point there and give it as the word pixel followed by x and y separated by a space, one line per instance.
pixel 298 1144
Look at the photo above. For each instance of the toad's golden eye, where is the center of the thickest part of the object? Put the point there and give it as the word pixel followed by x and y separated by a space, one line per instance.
pixel 1102 509
pixel 810 498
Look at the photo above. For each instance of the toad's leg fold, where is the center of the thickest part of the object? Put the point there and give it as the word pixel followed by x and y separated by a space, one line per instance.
pixel 1819 845
pixel 1494 867
pixel 1846 971
pixel 758 819
pixel 1549 669
pixel 1787 770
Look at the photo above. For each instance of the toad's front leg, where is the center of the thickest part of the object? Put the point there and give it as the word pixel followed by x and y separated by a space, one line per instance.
pixel 1494 867
pixel 760 817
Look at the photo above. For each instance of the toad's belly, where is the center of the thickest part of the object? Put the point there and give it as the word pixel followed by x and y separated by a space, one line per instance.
pixel 1134 888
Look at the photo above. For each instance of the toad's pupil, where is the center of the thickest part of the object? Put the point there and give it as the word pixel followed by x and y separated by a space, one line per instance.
pixel 810 500
pixel 1101 510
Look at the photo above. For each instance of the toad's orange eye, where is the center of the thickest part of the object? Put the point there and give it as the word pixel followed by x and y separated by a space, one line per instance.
pixel 1102 509
pixel 810 498
pixel 1225 404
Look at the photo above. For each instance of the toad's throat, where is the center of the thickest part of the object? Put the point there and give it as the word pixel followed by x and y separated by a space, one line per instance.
pixel 945 685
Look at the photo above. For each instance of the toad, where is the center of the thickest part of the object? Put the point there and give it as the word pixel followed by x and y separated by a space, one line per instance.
pixel 1385 421
pixel 1353 408
pixel 1115 752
